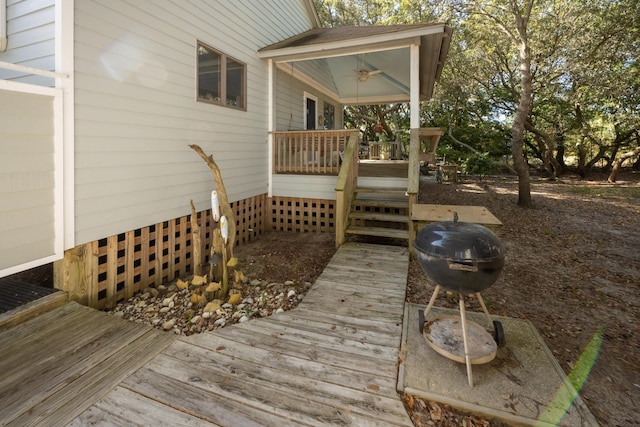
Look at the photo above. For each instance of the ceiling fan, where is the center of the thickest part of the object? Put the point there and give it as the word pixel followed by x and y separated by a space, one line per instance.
pixel 364 74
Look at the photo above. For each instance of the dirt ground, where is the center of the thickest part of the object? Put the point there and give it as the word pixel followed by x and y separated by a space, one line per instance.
pixel 572 267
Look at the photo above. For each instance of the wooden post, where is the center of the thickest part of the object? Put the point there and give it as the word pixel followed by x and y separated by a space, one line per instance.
pixel 196 244
pixel 73 273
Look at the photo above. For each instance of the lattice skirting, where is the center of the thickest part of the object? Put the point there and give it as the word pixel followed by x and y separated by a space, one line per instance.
pixel 301 215
pixel 103 272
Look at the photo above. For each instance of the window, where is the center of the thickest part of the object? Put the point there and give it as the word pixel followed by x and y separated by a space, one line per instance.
pixel 222 80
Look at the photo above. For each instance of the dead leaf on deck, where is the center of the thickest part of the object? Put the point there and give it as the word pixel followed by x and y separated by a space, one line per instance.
pixel 373 387
pixel 435 411
pixel 220 348
pixel 410 401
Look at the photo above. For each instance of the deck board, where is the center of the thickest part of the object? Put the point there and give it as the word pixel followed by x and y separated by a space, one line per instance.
pixel 65 360
pixel 333 360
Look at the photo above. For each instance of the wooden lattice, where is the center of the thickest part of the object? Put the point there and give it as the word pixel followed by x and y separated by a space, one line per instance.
pixel 104 272
pixel 302 215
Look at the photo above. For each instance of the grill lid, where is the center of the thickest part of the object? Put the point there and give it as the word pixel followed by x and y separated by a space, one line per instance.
pixel 459 242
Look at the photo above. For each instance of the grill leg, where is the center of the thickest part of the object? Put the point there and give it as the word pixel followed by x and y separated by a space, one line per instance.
pixel 484 308
pixel 432 301
pixel 467 357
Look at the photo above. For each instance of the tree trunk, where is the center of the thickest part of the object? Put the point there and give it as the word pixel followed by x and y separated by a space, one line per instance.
pixel 522 112
pixel 582 152
pixel 613 176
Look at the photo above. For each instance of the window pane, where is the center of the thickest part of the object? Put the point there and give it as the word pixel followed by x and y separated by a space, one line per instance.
pixel 209 75
pixel 235 83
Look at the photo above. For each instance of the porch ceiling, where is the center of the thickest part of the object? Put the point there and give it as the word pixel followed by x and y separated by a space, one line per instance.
pixel 365 65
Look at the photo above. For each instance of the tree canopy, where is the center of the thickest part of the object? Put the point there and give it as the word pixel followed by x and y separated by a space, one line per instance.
pixel 559 77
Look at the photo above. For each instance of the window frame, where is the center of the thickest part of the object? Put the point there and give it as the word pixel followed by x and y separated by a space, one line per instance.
pixel 224 58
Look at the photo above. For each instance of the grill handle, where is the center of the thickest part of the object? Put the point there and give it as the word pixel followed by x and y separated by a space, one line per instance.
pixel 462 267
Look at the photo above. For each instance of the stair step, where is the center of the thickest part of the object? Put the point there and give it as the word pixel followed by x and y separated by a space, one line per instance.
pixel 378 231
pixel 382 203
pixel 378 216
pixel 378 190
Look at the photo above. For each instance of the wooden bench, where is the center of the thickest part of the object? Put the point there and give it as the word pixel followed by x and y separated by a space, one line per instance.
pixel 423 214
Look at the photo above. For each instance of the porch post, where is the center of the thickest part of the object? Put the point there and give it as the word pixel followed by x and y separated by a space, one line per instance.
pixel 414 146
pixel 271 124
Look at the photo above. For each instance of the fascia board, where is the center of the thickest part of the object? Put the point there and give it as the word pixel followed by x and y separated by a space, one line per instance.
pixel 337 48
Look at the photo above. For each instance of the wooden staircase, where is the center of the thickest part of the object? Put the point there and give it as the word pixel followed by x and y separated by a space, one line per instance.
pixel 379 212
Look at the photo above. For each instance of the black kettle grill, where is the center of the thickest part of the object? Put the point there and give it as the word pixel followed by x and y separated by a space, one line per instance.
pixel 464 258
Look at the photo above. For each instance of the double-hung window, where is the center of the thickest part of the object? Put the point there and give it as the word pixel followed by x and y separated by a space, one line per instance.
pixel 222 79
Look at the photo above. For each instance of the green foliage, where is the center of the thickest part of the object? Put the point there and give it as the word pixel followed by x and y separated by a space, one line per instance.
pixel 480 165
pixel 585 75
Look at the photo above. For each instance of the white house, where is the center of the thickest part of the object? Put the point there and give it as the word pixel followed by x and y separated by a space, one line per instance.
pixel 100 99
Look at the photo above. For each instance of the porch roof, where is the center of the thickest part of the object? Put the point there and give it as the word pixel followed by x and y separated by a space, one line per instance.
pixel 364 64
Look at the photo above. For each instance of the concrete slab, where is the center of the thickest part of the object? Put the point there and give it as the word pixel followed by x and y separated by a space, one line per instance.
pixel 523 385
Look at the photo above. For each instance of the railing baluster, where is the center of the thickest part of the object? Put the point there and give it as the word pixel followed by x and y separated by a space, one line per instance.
pixel 309 152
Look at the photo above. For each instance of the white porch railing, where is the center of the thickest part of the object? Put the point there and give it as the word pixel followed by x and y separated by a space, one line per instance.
pixel 309 152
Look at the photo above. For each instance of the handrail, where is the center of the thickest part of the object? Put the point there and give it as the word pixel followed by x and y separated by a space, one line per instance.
pixel 345 187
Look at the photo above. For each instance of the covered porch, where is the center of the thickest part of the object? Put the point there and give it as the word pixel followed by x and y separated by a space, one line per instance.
pixel 311 157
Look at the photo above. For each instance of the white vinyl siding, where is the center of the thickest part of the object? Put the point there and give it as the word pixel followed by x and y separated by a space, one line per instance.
pixel 290 103
pixel 27 194
pixel 305 186
pixel 30 40
pixel 136 109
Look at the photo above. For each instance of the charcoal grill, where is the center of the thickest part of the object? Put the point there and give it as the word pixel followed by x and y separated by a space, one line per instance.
pixel 464 258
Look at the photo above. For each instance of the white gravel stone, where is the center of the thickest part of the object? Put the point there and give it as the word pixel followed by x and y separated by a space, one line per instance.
pixel 169 324
pixel 291 293
pixel 280 310
pixel 243 319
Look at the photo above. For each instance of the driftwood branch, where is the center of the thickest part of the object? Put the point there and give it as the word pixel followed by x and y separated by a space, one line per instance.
pixel 225 207
pixel 195 231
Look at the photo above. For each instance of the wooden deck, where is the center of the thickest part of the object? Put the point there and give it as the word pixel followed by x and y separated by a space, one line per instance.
pixel 333 360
